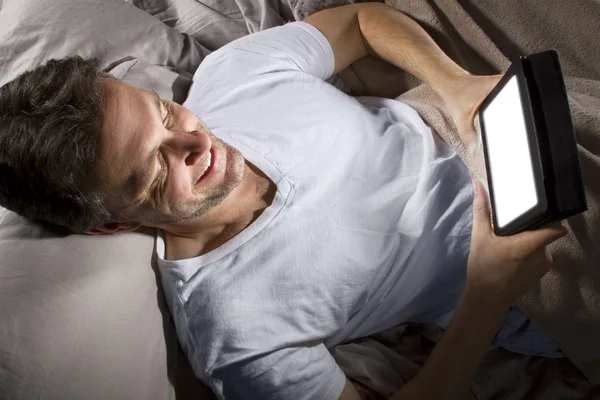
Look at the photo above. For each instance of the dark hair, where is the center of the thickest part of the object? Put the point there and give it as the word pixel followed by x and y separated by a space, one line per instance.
pixel 50 121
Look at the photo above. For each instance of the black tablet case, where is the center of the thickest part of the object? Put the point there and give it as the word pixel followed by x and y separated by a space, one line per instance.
pixel 555 137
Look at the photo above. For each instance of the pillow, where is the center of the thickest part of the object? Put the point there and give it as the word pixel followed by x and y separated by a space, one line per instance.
pixel 32 32
pixel 83 317
pixel 167 83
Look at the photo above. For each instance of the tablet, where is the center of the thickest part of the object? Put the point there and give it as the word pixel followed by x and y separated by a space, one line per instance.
pixel 530 149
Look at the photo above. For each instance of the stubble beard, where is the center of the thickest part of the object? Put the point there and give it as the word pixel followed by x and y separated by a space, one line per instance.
pixel 197 208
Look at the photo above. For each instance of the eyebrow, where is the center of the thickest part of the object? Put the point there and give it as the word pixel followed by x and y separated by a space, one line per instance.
pixel 136 183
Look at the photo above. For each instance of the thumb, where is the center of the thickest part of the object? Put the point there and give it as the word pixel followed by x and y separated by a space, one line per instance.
pixel 538 238
pixel 481 209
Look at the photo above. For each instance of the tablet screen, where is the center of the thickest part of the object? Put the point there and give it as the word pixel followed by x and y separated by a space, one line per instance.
pixel 510 165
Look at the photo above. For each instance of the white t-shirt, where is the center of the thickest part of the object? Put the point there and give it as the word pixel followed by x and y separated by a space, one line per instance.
pixel 370 226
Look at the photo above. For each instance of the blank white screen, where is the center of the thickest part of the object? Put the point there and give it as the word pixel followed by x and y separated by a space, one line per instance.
pixel 508 155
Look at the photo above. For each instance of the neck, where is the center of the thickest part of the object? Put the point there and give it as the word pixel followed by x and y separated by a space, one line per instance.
pixel 213 229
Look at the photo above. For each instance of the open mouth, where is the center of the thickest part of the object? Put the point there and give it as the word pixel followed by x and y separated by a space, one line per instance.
pixel 209 167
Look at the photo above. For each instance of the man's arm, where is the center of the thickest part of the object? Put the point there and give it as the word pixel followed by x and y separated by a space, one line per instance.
pixel 451 366
pixel 499 271
pixel 357 30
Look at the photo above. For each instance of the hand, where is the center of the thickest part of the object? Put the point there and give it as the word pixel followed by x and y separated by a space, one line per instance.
pixel 462 98
pixel 501 269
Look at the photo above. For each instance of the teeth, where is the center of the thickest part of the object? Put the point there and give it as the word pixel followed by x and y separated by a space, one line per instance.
pixel 209 161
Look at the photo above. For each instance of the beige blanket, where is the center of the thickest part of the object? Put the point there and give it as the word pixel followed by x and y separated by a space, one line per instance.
pixel 483 36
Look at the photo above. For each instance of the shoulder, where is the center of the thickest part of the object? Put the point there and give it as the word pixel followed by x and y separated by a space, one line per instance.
pixel 296 46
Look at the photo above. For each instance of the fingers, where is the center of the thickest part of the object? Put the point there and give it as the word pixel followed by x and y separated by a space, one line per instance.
pixel 527 241
pixel 481 210
pixel 554 232
pixel 530 241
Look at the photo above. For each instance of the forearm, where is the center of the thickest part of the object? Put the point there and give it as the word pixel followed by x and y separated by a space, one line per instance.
pixel 450 368
pixel 396 38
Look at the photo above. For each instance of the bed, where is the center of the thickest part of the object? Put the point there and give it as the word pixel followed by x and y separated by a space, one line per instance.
pixel 84 317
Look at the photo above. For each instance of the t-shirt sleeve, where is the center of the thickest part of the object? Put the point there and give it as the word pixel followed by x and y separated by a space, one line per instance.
pixel 301 373
pixel 295 46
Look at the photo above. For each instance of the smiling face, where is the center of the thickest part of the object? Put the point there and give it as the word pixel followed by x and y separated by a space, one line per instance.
pixel 159 163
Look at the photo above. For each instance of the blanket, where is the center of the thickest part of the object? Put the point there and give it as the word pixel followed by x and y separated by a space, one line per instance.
pixel 566 303
pixel 483 37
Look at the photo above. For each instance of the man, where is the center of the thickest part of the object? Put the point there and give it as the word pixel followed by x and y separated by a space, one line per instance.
pixel 291 216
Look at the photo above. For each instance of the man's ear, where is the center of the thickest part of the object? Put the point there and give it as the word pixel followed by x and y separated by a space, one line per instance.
pixel 114 227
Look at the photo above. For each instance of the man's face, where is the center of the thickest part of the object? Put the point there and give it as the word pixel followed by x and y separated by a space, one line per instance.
pixel 159 163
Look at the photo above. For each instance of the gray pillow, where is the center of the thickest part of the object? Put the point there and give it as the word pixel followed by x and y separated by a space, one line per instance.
pixel 32 32
pixel 83 317
pixel 167 83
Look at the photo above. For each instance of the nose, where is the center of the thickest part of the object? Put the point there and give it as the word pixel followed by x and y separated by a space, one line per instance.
pixel 189 147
